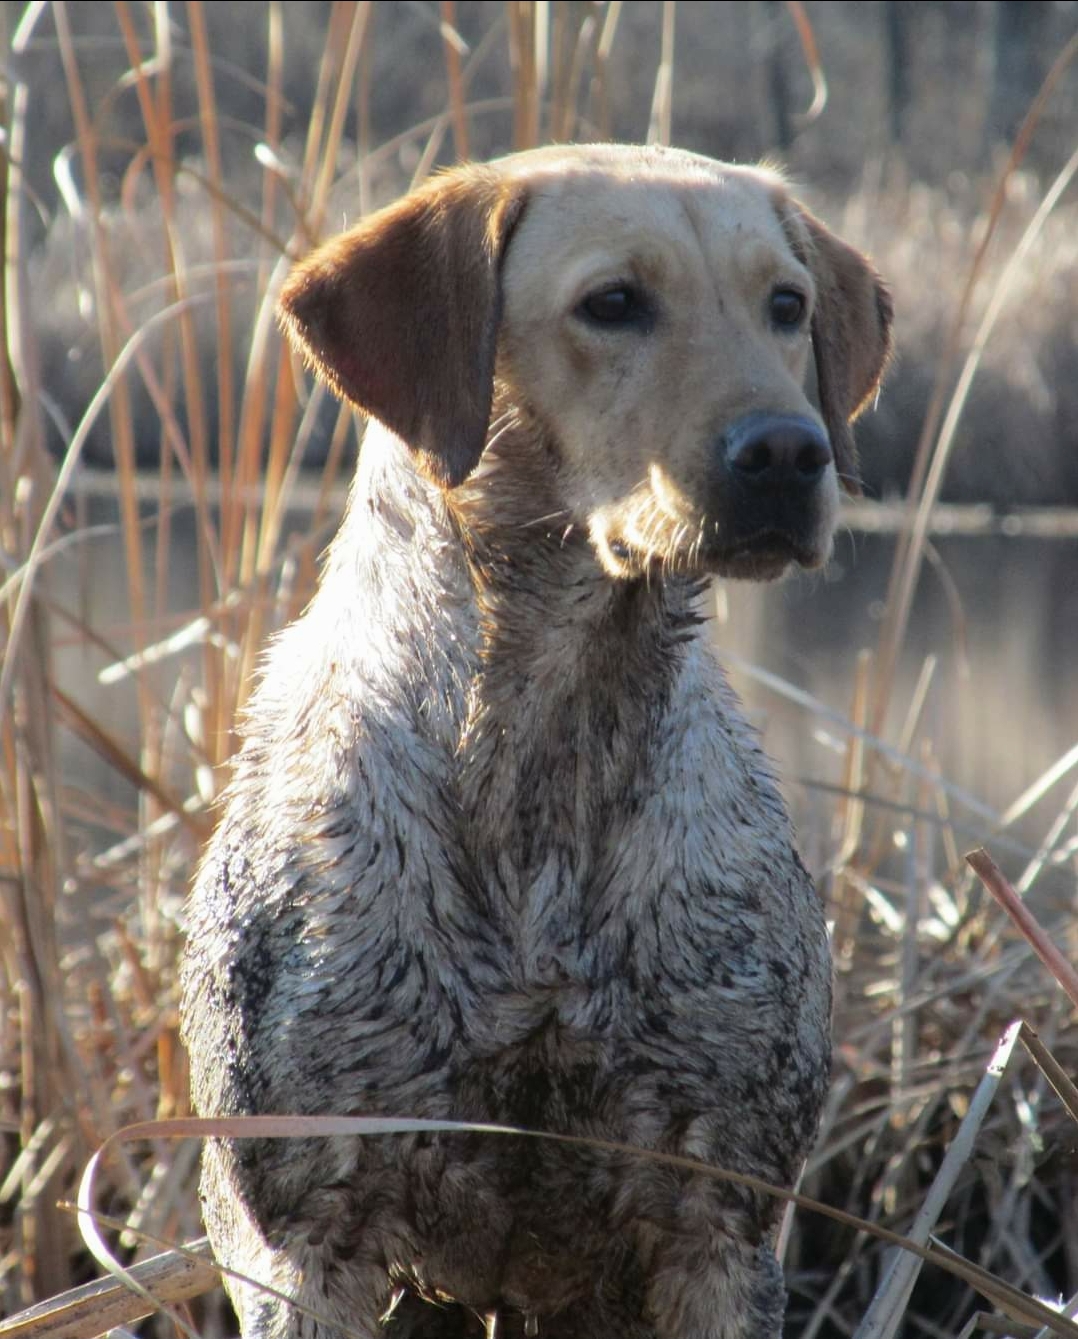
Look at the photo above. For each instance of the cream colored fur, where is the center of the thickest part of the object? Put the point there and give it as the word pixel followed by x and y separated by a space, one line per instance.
pixel 500 845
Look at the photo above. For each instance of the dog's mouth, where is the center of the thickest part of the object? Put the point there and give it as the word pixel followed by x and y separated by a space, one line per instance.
pixel 736 538
pixel 763 555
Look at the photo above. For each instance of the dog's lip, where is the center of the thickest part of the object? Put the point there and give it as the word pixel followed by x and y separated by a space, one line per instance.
pixel 760 554
pixel 767 549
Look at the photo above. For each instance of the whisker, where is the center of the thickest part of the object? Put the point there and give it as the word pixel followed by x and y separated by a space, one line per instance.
pixel 500 425
pixel 545 520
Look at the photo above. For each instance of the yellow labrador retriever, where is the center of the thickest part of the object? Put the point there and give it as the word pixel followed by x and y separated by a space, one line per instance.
pixel 499 845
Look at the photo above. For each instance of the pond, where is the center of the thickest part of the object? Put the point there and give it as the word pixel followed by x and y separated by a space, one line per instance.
pixel 998 614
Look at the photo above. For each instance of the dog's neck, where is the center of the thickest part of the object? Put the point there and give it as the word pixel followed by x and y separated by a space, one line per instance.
pixel 544 678
pixel 575 670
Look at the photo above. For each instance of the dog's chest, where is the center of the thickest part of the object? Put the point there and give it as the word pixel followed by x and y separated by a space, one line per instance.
pixel 631 958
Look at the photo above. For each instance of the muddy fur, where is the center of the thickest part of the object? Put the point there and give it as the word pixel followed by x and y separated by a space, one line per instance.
pixel 499 845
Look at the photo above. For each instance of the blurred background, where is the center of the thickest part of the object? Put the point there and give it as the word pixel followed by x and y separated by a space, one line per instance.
pixel 168 480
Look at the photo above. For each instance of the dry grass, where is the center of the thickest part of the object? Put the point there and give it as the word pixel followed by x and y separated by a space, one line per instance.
pixel 132 624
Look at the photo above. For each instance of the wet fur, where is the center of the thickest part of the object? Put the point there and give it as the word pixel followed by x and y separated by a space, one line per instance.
pixel 499 845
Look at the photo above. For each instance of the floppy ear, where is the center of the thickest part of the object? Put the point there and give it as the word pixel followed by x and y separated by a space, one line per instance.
pixel 400 315
pixel 851 334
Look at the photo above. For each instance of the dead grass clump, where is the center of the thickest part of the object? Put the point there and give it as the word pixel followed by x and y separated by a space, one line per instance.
pixel 1017 439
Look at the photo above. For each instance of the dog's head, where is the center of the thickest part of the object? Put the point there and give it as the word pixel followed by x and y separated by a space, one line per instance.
pixel 652 310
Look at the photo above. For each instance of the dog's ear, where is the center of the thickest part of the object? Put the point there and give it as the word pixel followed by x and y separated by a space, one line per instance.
pixel 851 332
pixel 400 315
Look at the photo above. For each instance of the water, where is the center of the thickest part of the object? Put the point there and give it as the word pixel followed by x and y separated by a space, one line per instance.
pixel 1000 614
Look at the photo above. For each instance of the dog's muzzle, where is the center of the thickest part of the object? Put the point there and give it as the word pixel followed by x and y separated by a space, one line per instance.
pixel 771 503
pixel 772 458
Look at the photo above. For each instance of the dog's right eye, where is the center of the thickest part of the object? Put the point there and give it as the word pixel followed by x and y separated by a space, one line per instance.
pixel 787 308
pixel 620 304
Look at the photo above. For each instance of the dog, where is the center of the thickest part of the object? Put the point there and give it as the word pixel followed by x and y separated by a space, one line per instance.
pixel 499 846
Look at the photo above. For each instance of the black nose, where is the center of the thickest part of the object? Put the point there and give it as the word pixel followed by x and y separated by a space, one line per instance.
pixel 776 451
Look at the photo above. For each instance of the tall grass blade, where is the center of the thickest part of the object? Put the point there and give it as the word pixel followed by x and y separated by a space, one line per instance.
pixel 888 1307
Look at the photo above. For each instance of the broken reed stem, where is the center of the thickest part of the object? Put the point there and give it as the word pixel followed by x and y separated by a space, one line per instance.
pixel 1001 889
pixel 888 1307
pixel 106 1304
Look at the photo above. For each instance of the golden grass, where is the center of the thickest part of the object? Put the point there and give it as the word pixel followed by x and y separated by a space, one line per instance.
pixel 118 695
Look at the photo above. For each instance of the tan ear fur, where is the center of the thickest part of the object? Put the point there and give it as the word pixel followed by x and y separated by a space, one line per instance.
pixel 851 333
pixel 400 315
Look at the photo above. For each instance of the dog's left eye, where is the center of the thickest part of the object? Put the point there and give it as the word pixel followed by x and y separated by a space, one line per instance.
pixel 621 304
pixel 787 307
